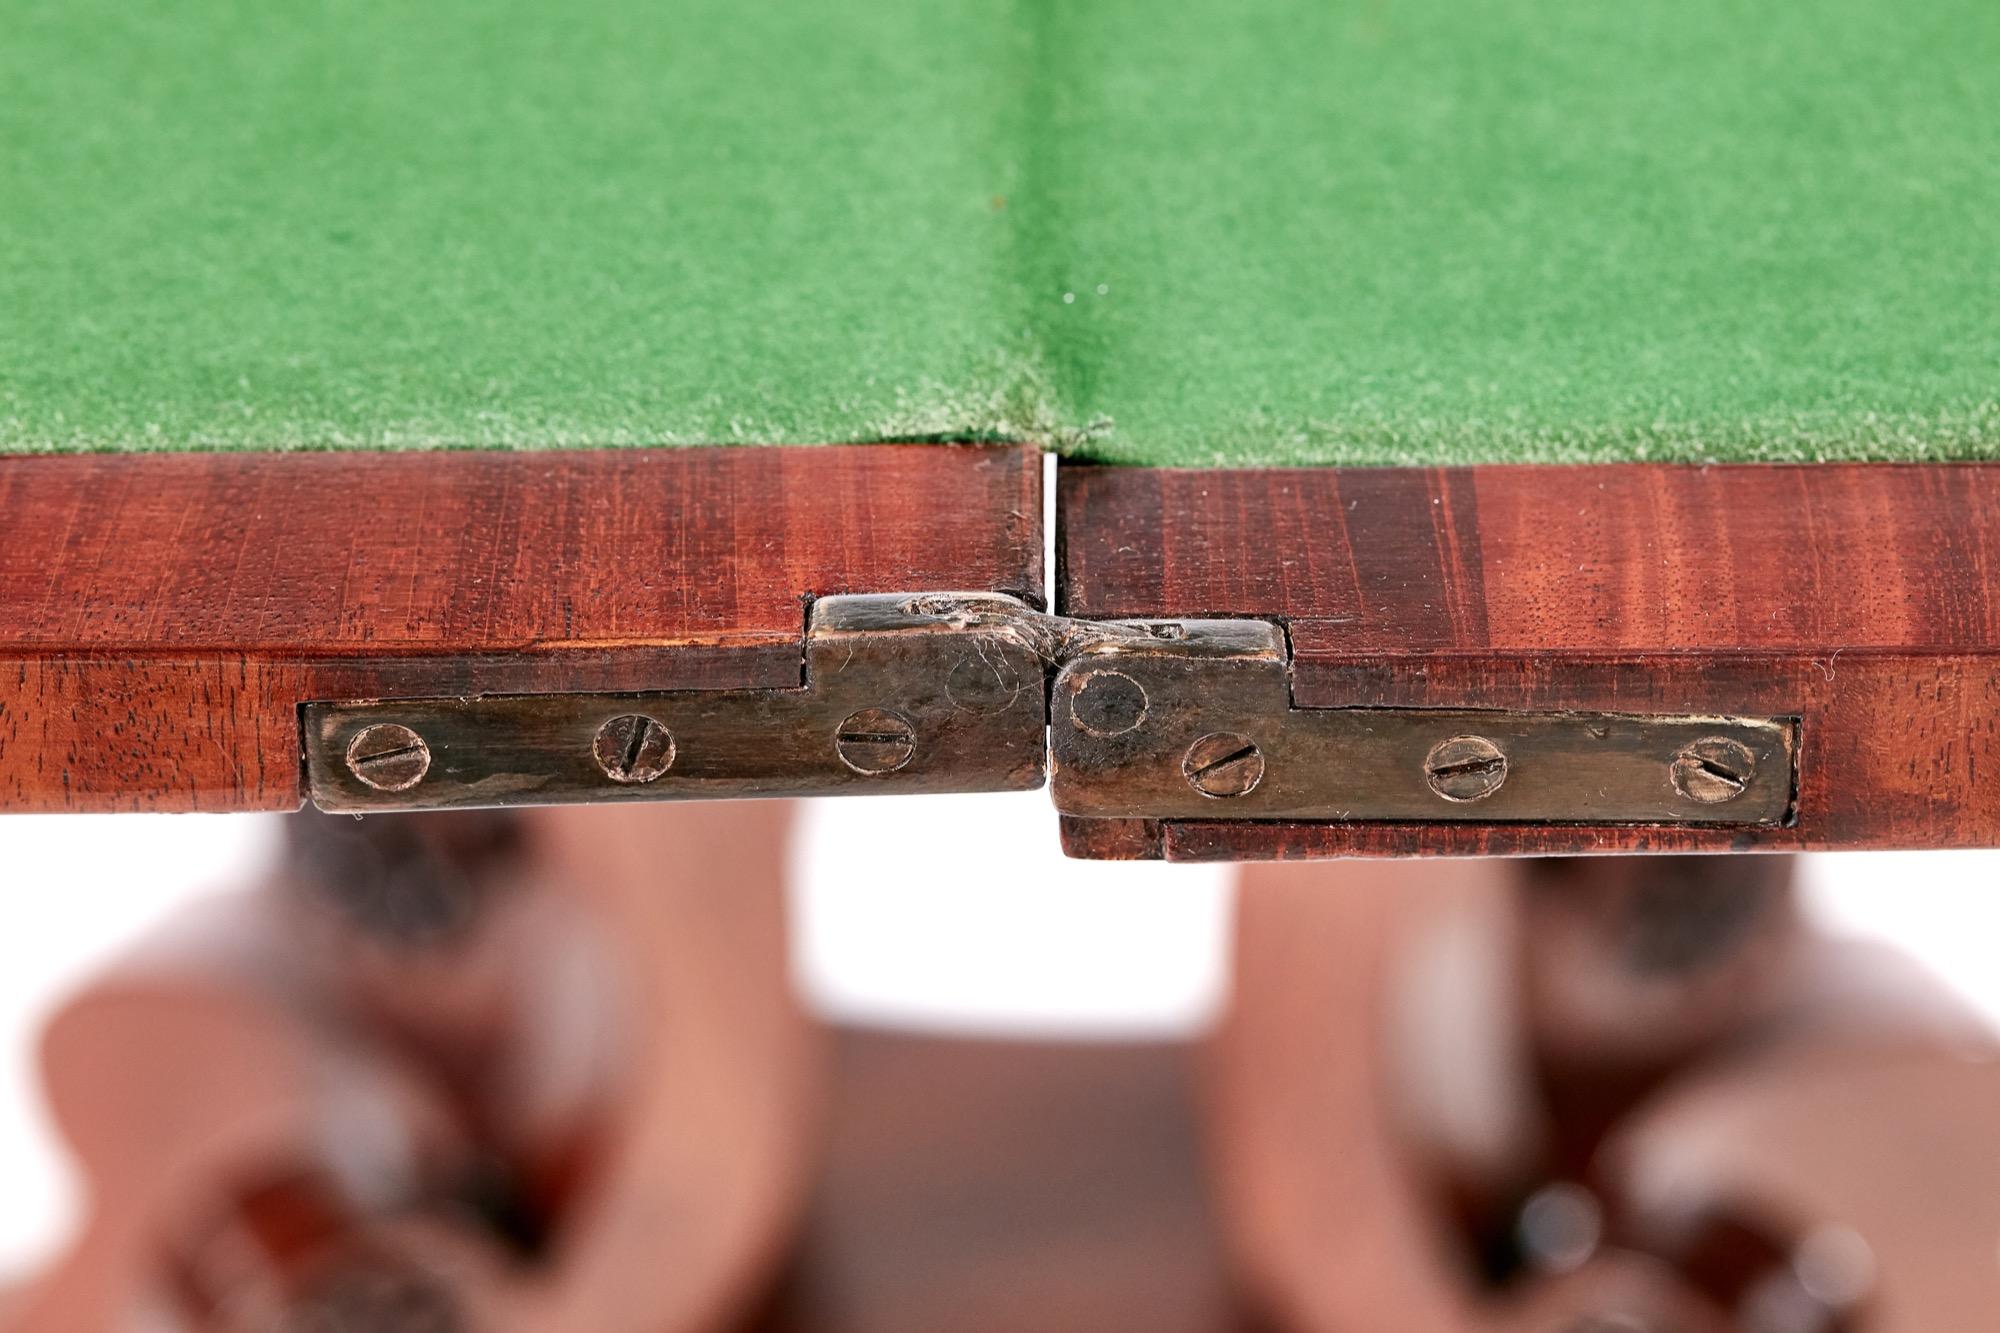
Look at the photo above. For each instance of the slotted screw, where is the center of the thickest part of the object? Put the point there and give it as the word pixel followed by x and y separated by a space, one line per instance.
pixel 1714 769
pixel 875 741
pixel 1223 764
pixel 1465 768
pixel 633 748
pixel 388 756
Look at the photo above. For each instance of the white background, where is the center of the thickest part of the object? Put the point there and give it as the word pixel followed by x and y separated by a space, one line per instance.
pixel 1015 939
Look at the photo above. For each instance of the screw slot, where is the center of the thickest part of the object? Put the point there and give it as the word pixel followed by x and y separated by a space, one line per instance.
pixel 388 756
pixel 875 741
pixel 1223 764
pixel 633 748
pixel 1465 768
pixel 1713 769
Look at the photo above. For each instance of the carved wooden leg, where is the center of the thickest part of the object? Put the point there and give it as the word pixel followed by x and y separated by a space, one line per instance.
pixel 1598 1094
pixel 531 1071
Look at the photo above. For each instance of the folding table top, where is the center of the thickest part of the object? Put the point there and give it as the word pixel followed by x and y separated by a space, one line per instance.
pixel 1226 231
pixel 1231 234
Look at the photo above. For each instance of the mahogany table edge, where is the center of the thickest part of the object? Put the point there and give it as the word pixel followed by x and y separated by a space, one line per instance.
pixel 1859 598
pixel 164 616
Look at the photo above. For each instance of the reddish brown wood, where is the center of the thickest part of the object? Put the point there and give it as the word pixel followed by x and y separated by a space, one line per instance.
pixel 580 1029
pixel 1006 1187
pixel 1112 839
pixel 162 616
pixel 1412 1049
pixel 1859 598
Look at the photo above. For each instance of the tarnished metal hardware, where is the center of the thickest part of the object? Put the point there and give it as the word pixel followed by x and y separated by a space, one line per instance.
pixel 938 692
pixel 1217 737
pixel 901 692
pixel 387 757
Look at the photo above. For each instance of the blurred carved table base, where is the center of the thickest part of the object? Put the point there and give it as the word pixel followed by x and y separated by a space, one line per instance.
pixel 1009 1187
pixel 544 1071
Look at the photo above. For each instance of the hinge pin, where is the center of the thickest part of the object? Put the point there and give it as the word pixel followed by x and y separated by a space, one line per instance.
pixel 1108 703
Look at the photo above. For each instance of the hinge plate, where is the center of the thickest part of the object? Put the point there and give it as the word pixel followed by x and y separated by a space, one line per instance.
pixel 950 692
pixel 893 699
pixel 1201 725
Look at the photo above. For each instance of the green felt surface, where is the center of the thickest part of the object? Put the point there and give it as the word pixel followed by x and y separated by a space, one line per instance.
pixel 1216 231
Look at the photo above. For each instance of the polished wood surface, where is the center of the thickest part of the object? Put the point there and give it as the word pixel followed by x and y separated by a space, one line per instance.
pixel 163 616
pixel 1861 599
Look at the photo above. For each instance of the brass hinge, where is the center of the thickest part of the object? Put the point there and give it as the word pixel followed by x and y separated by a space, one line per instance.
pixel 1202 726
pixel 893 699
pixel 934 692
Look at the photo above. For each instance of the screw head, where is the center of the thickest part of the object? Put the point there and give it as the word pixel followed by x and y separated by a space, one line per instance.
pixel 1713 769
pixel 633 748
pixel 875 741
pixel 1465 768
pixel 1107 703
pixel 1223 764
pixel 388 756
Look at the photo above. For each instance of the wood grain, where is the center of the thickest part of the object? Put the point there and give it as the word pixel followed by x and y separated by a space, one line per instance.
pixel 1859 598
pixel 163 616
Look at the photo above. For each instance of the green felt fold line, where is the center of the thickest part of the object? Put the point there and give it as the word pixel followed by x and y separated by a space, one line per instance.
pixel 1212 232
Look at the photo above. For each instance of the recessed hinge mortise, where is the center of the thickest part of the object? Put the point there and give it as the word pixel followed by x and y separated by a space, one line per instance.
pixel 962 692
pixel 894 699
pixel 1204 728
